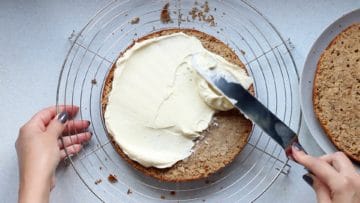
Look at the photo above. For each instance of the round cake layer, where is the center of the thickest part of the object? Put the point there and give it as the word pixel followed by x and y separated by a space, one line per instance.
pixel 336 94
pixel 223 140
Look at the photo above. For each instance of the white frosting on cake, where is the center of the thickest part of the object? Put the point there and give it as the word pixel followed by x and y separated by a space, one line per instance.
pixel 159 104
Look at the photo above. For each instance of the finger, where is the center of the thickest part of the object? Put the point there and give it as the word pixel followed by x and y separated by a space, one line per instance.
pixel 323 194
pixel 74 139
pixel 320 168
pixel 76 126
pixel 44 116
pixel 340 162
pixel 53 180
pixel 57 125
pixel 71 150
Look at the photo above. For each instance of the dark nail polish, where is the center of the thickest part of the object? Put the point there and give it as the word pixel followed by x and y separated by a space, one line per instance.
pixel 307 178
pixel 63 117
pixel 88 122
pixel 297 146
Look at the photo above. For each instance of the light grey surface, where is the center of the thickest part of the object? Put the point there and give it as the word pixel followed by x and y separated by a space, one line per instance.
pixel 33 43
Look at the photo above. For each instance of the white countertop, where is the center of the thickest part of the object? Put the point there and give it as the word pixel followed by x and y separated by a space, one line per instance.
pixel 33 43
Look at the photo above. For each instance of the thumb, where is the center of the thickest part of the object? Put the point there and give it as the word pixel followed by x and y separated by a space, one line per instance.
pixel 57 125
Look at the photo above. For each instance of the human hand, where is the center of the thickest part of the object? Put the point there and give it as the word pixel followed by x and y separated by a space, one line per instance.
pixel 40 149
pixel 333 177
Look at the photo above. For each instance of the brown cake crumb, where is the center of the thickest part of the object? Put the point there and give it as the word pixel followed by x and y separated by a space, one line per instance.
pixel 165 14
pixel 93 81
pixel 162 197
pixel 135 20
pixel 202 14
pixel 129 192
pixel 112 178
pixel 211 20
pixel 172 193
pixel 98 181
pixel 242 52
pixel 193 13
pixel 205 7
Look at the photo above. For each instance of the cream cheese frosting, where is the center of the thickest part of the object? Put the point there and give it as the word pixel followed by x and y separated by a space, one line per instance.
pixel 159 104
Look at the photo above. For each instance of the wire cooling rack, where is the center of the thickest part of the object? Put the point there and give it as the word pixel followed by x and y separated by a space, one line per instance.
pixel 237 23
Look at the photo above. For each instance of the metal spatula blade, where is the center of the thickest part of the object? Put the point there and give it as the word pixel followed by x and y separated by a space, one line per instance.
pixel 247 104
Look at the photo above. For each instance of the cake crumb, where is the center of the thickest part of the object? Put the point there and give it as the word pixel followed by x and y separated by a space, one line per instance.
pixel 112 178
pixel 242 52
pixel 165 14
pixel 211 20
pixel 100 168
pixel 206 7
pixel 193 13
pixel 98 181
pixel 172 193
pixel 162 197
pixel 129 192
pixel 93 81
pixel 135 20
pixel 202 14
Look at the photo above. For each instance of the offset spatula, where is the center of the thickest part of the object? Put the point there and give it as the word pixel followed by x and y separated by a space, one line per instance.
pixel 247 104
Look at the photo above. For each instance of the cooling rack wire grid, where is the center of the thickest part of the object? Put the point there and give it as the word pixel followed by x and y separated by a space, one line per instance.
pixel 243 28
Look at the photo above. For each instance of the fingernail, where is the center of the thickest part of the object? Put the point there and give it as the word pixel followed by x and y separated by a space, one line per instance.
pixel 297 146
pixel 63 117
pixel 308 179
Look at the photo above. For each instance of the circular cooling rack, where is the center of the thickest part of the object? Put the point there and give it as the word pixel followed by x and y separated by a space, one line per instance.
pixel 258 44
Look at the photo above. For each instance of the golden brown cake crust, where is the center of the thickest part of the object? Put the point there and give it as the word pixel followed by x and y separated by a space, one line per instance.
pixel 336 93
pixel 223 140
